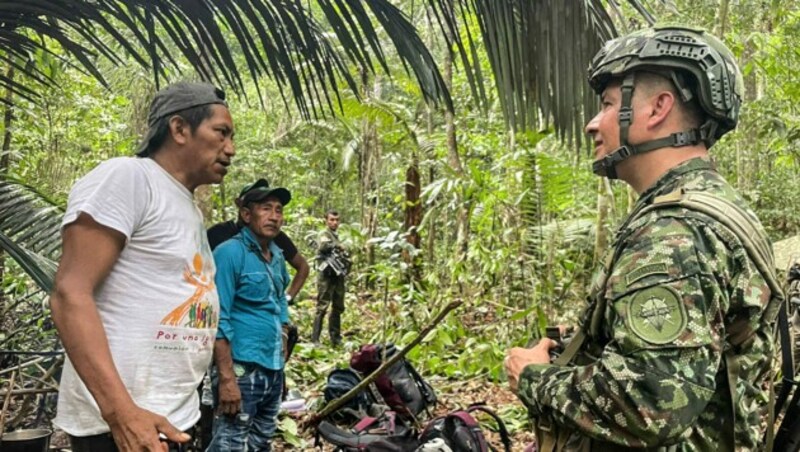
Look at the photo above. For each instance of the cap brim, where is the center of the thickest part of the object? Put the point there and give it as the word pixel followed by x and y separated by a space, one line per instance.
pixel 283 195
pixel 260 183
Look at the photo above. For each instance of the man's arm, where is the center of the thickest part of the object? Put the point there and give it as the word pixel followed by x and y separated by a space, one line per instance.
pixel 90 250
pixel 301 266
pixel 296 260
pixel 230 397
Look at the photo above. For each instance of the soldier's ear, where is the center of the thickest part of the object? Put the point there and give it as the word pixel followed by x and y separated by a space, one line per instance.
pixel 661 106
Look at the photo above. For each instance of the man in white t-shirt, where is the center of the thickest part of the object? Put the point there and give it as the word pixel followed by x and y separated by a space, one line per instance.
pixel 134 299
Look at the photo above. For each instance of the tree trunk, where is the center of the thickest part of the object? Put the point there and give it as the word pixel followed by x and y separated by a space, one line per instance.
pixel 369 169
pixel 204 200
pixel 603 207
pixel 431 242
pixel 722 20
pixel 632 198
pixel 412 220
pixel 454 159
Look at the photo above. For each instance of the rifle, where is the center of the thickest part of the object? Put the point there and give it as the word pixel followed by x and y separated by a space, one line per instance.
pixel 335 262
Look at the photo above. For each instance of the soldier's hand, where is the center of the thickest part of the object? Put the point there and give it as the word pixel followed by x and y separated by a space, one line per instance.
pixel 136 429
pixel 518 358
pixel 230 397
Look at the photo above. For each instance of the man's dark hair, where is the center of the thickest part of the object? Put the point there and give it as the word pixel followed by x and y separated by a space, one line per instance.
pixel 331 212
pixel 193 117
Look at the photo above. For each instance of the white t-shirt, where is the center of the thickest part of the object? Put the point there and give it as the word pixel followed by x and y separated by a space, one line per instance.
pixel 159 305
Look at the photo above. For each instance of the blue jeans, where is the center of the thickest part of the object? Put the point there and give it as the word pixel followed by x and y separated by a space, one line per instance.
pixel 252 428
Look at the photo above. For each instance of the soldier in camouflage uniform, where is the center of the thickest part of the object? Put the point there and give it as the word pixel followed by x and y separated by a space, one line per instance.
pixel 676 347
pixel 330 293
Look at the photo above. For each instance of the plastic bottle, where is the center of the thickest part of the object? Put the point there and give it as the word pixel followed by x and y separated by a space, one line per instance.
pixel 206 396
pixel 435 445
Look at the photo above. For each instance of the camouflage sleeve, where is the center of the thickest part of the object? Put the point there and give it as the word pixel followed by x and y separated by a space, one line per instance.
pixel 664 318
pixel 325 243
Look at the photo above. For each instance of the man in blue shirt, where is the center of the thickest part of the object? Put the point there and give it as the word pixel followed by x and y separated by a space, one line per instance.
pixel 251 280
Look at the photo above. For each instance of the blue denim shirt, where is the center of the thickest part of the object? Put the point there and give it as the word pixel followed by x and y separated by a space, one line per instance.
pixel 252 301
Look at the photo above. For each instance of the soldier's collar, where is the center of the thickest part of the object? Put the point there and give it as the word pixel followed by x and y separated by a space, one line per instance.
pixel 664 184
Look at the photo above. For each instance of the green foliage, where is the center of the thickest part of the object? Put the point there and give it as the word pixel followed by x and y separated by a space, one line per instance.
pixel 530 198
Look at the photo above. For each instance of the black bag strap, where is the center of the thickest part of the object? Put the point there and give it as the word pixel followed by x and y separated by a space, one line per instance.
pixel 343 438
pixel 424 388
pixel 501 426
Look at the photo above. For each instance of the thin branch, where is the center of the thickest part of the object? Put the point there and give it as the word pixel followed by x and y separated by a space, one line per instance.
pixel 28 391
pixel 6 402
pixel 26 401
pixel 29 363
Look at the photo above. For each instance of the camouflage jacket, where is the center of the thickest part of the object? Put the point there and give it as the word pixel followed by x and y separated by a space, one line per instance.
pixel 326 241
pixel 652 371
pixel 331 256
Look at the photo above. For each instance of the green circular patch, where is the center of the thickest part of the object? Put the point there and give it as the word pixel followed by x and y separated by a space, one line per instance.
pixel 657 315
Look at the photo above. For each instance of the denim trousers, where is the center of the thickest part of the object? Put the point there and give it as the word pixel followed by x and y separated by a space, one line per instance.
pixel 252 428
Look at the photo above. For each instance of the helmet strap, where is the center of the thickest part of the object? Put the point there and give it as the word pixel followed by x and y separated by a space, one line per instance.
pixel 607 165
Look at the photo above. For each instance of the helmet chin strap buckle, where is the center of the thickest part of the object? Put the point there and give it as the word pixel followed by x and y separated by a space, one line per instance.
pixel 685 138
pixel 606 167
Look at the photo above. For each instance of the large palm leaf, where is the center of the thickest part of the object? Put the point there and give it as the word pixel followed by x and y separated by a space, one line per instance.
pixel 30 230
pixel 278 38
pixel 538 51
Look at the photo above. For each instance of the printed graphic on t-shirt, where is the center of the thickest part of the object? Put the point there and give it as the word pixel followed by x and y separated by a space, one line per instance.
pixel 196 312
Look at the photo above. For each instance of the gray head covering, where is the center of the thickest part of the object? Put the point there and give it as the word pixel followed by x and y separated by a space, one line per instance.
pixel 177 97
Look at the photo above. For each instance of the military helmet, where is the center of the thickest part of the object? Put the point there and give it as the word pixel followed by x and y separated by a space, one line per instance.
pixel 717 82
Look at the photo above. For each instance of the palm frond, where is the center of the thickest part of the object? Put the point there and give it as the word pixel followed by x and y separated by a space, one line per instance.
pixel 30 230
pixel 538 52
pixel 41 269
pixel 278 38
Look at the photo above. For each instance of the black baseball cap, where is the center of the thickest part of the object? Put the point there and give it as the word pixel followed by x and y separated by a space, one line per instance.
pixel 177 97
pixel 260 190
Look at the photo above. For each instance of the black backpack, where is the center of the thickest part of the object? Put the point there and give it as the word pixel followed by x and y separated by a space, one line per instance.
pixel 340 382
pixel 401 387
pixel 461 432
pixel 385 433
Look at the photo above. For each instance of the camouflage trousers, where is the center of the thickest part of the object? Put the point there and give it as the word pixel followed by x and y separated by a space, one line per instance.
pixel 330 294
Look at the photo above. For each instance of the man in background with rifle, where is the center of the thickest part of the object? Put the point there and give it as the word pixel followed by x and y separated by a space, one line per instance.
pixel 675 351
pixel 333 264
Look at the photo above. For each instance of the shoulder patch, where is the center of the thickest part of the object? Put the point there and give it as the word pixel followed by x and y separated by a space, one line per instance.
pixel 644 271
pixel 657 315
